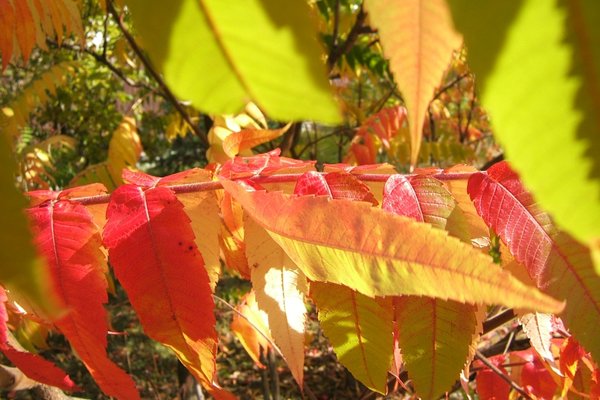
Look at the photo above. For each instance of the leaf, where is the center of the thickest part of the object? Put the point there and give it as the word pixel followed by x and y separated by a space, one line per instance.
pixel 250 325
pixel 489 385
pixel 360 330
pixel 559 265
pixel 280 287
pixel 231 239
pixel 378 128
pixel 535 377
pixel 538 328
pixel 249 138
pixel 336 185
pixel 464 222
pixel 203 211
pixel 434 335
pixel 274 61
pixel 69 240
pixel 7 29
pixel 570 355
pixel 557 90
pixel 31 365
pixel 154 255
pixel 419 38
pixel 29 22
pixel 21 270
pixel 382 263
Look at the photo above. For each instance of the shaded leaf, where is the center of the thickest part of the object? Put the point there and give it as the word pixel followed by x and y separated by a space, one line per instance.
pixel 21 271
pixel 489 385
pixel 360 329
pixel 250 325
pixel 434 335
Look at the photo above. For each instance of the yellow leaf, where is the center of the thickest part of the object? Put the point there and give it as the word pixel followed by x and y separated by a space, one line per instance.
pixel 280 287
pixel 398 256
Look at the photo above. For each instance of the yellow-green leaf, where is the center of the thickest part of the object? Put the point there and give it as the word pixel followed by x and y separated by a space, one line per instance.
pixel 21 270
pixel 252 50
pixel 360 330
pixel 538 69
pixel 418 37
pixel 378 253
pixel 434 337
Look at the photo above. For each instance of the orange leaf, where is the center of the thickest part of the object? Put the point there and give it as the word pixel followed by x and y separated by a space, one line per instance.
pixel 418 36
pixel 246 328
pixel 7 29
pixel 332 249
pixel 25 28
pixel 246 139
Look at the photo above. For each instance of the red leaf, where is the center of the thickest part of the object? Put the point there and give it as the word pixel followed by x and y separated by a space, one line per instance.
pixel 33 366
pixel 559 265
pixel 336 185
pixel 535 377
pixel 489 385
pixel 154 255
pixel 70 242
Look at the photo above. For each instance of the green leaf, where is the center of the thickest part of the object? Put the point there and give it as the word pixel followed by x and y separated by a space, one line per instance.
pixel 538 69
pixel 21 270
pixel 222 54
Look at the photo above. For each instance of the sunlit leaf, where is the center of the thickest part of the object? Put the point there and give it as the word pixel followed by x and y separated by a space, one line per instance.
pixel 69 240
pixel 331 249
pixel 558 264
pixel 260 51
pixel 540 83
pixel 280 287
pixel 154 255
pixel 419 38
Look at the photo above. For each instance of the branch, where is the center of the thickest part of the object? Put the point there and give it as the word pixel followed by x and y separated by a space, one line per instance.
pixel 338 51
pixel 215 185
pixel 155 75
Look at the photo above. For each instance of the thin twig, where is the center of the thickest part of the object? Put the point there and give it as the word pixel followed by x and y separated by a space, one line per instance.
pixel 501 374
pixel 155 75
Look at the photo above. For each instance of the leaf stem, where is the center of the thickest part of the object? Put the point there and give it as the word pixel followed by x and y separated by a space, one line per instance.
pixel 265 179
